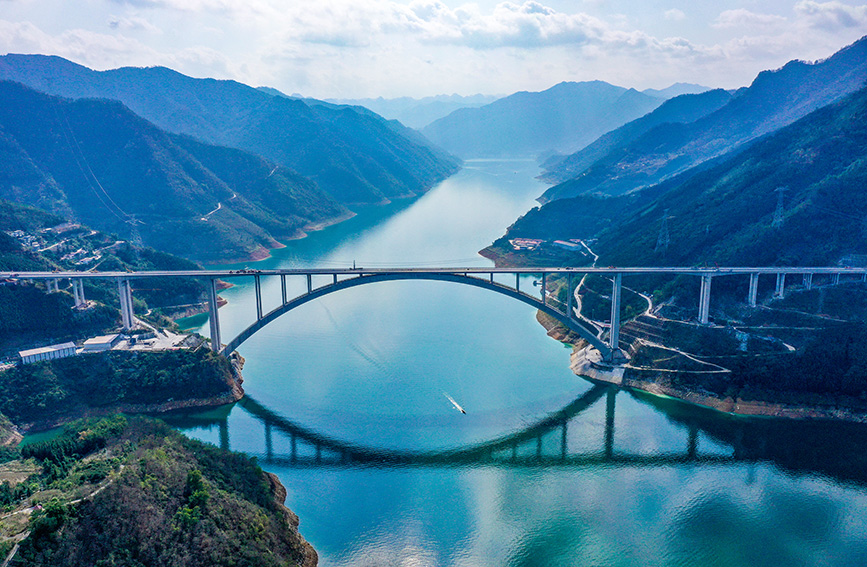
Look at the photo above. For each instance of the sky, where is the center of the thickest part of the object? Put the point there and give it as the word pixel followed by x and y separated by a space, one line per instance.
pixel 392 48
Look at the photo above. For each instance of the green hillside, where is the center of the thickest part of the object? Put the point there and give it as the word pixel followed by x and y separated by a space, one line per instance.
pixel 723 212
pixel 774 100
pixel 356 157
pixel 98 163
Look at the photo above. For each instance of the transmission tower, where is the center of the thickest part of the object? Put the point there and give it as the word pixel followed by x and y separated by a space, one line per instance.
pixel 664 239
pixel 778 214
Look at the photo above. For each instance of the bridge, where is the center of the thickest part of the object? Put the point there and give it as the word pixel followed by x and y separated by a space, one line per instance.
pixel 606 341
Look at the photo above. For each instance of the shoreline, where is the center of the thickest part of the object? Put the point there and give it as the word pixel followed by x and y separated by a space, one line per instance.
pixel 586 363
pixel 236 393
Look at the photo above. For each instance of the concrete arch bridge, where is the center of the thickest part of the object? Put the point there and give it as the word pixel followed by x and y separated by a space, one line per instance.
pixel 607 341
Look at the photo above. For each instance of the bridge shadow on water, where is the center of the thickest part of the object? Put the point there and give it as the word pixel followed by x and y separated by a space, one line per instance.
pixel 800 447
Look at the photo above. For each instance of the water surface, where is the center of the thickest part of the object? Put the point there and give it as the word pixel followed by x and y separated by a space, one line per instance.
pixel 348 405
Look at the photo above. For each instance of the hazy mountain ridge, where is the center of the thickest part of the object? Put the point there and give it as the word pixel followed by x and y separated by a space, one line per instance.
pixel 774 99
pixel 231 114
pixel 418 113
pixel 103 165
pixel 725 213
pixel 564 118
pixel 681 109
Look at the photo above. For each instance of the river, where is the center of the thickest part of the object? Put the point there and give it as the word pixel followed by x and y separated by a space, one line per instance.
pixel 349 404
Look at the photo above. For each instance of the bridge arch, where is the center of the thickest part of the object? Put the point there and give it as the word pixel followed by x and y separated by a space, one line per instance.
pixel 365 279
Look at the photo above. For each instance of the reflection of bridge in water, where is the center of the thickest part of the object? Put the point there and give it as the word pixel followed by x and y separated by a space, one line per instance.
pixel 830 448
pixel 525 448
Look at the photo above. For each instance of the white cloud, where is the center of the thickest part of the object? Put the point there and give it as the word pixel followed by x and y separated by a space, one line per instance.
pixel 132 24
pixel 741 18
pixel 674 15
pixel 832 15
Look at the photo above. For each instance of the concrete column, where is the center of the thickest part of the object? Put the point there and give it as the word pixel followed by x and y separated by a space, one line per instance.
pixel 213 316
pixel 310 283
pixel 808 281
pixel 126 311
pixel 334 279
pixel 517 282
pixel 544 286
pixel 258 281
pixel 614 335
pixel 704 300
pixel 78 292
pixel 754 290
pixel 835 279
pixel 569 295
pixel 781 285
pixel 283 287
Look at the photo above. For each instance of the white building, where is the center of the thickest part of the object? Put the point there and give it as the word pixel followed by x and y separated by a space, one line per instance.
pixel 47 353
pixel 100 344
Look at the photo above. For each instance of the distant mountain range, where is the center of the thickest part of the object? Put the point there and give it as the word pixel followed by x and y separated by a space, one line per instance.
pixel 793 197
pixel 355 157
pixel 95 161
pixel 639 157
pixel 417 113
pixel 562 119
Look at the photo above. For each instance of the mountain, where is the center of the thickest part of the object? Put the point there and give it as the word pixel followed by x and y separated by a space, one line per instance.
pixel 355 157
pixel 681 109
pixel 676 89
pixel 417 113
pixel 97 162
pixel 725 211
pixel 564 118
pixel 775 99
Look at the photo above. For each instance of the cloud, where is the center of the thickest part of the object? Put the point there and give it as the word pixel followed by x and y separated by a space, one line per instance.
pixel 674 15
pixel 831 16
pixel 132 24
pixel 741 18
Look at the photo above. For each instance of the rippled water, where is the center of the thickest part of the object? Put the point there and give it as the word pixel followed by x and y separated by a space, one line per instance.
pixel 348 404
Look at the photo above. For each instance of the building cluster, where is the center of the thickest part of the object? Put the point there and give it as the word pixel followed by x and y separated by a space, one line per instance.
pixel 95 344
pixel 573 244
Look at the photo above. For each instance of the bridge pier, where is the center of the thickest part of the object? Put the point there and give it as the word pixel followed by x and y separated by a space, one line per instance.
pixel 258 282
pixel 78 292
pixel 517 282
pixel 213 315
pixel 126 312
pixel 835 279
pixel 569 295
pixel 544 288
pixel 310 283
pixel 614 334
pixel 780 290
pixel 753 295
pixel 283 288
pixel 704 300
pixel 808 281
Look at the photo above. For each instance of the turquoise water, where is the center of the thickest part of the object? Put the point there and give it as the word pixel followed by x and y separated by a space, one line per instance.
pixel 348 405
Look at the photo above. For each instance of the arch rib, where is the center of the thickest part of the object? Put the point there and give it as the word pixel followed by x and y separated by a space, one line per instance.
pixel 296 302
